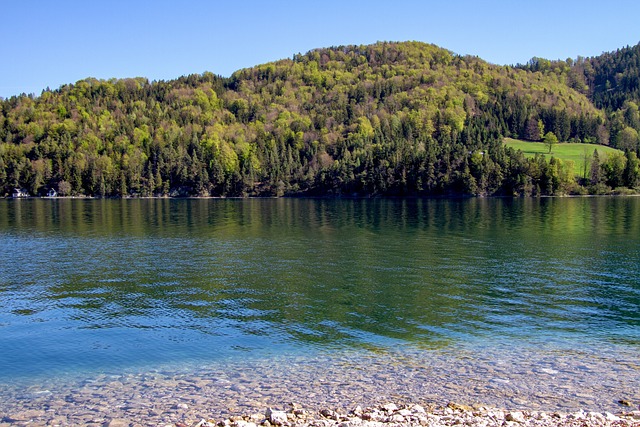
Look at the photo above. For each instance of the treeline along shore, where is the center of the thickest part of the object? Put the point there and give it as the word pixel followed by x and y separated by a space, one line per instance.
pixel 394 119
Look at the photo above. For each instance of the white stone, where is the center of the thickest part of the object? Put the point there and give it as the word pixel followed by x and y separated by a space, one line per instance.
pixel 423 420
pixel 390 407
pixel 515 416
pixel 580 415
pixel 276 417
pixel 419 409
pixel 596 415
pixel 396 418
pixel 257 418
pixel 378 416
pixel 610 417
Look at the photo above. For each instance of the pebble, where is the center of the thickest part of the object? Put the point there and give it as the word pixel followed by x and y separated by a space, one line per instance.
pixel 418 409
pixel 390 407
pixel 515 416
pixel 278 418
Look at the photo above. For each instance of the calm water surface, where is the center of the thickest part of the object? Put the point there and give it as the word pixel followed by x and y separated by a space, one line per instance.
pixel 108 286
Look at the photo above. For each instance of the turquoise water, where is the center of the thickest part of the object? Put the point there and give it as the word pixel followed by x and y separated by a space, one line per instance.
pixel 104 286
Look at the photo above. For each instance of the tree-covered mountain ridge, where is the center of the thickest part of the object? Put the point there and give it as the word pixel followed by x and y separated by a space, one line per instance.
pixel 403 118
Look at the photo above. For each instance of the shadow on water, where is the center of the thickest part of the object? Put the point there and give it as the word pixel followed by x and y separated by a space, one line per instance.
pixel 103 283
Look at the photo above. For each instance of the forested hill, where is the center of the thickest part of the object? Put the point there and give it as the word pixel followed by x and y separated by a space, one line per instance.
pixel 612 83
pixel 385 119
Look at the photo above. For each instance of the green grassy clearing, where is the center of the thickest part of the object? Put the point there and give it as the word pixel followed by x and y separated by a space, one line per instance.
pixel 563 151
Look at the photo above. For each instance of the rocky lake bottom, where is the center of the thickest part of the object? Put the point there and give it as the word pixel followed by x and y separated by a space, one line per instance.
pixel 534 379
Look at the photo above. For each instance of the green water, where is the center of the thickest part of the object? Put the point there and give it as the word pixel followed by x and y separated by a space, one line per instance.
pixel 107 285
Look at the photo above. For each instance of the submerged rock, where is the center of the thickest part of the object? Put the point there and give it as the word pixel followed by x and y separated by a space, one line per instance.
pixel 117 422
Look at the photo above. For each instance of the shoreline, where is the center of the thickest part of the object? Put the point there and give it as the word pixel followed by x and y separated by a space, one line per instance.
pixel 400 415
pixel 330 197
pixel 329 392
pixel 294 414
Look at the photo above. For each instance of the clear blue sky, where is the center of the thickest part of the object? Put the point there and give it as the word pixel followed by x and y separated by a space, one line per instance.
pixel 50 43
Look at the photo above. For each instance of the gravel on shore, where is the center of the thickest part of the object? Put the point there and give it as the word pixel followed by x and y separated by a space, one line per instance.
pixel 386 415
pixel 392 415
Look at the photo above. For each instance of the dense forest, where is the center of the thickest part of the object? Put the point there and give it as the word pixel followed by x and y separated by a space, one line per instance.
pixel 385 119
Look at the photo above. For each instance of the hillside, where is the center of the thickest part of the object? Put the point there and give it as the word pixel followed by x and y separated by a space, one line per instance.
pixel 579 154
pixel 612 83
pixel 385 119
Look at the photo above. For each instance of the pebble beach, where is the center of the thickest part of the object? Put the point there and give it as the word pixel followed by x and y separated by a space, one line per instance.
pixel 390 414
pixel 426 388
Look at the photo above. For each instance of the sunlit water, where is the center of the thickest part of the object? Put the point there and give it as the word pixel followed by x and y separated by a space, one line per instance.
pixel 405 295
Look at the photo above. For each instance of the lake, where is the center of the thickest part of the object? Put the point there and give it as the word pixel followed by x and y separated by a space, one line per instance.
pixel 514 302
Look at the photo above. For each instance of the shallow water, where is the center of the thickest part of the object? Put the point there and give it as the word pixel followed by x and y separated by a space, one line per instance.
pixel 528 303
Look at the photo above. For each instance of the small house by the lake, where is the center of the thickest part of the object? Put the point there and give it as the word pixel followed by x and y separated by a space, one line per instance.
pixel 19 193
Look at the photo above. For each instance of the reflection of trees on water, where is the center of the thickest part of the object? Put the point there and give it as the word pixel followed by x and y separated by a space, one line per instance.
pixel 336 272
